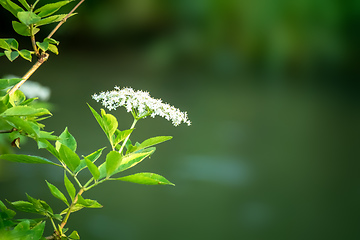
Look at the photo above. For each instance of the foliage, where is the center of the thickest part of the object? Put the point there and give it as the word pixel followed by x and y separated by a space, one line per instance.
pixel 19 117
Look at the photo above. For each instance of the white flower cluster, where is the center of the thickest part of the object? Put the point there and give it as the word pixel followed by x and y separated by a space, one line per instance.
pixel 142 104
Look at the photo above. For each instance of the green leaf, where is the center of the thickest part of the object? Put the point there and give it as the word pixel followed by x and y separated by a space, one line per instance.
pixel 98 118
pixel 50 8
pixel 2 54
pixel 12 43
pixel 93 169
pixel 131 160
pixel 53 49
pixel 28 17
pixel 70 158
pixel 11 55
pixel 121 135
pixel 110 123
pixel 153 141
pixel 57 193
pixel 46 144
pixel 48 136
pixel 69 187
pixel 38 231
pixel 25 111
pixel 29 127
pixel 10 213
pixel 26 54
pixel 43 46
pixel 25 4
pixel 11 7
pixel 92 157
pixel 74 235
pixel 5 83
pixel 25 207
pixel 88 203
pixel 17 98
pixel 22 29
pixel 26 159
pixel 4 44
pixel 66 139
pixel 113 161
pixel 53 19
pixel 52 41
pixel 146 178
pixel 37 204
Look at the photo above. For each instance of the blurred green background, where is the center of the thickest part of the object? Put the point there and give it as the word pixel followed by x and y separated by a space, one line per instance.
pixel 271 88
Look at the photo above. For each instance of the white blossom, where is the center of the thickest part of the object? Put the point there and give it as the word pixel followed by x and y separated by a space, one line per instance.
pixel 141 104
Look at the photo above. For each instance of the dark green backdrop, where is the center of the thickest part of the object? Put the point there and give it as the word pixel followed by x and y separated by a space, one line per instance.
pixel 271 88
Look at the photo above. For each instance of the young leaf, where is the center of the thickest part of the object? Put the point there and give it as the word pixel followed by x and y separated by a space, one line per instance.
pixel 11 55
pixel 113 161
pixel 98 118
pixel 93 169
pixel 43 46
pixel 57 193
pixel 153 141
pixel 66 139
pixel 70 158
pixel 26 159
pixel 146 178
pixel 17 98
pixel 5 83
pixel 25 54
pixel 53 49
pixel 110 123
pixel 74 235
pixel 22 29
pixel 53 19
pixel 52 41
pixel 25 111
pixel 50 8
pixel 69 187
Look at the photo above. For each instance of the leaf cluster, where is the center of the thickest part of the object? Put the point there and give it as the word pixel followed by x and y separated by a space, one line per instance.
pixel 20 116
pixel 28 23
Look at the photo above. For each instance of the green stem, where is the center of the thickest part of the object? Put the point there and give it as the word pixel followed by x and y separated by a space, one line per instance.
pixel 33 42
pixel 96 183
pixel 63 223
pixel 127 138
pixel 52 222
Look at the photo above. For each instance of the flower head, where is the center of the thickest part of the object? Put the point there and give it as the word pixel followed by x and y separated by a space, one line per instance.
pixel 141 104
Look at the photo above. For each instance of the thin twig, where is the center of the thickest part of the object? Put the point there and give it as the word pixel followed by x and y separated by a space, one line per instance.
pixel 41 60
pixel 64 19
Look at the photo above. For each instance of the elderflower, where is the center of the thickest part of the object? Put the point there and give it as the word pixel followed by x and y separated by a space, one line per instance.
pixel 141 104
